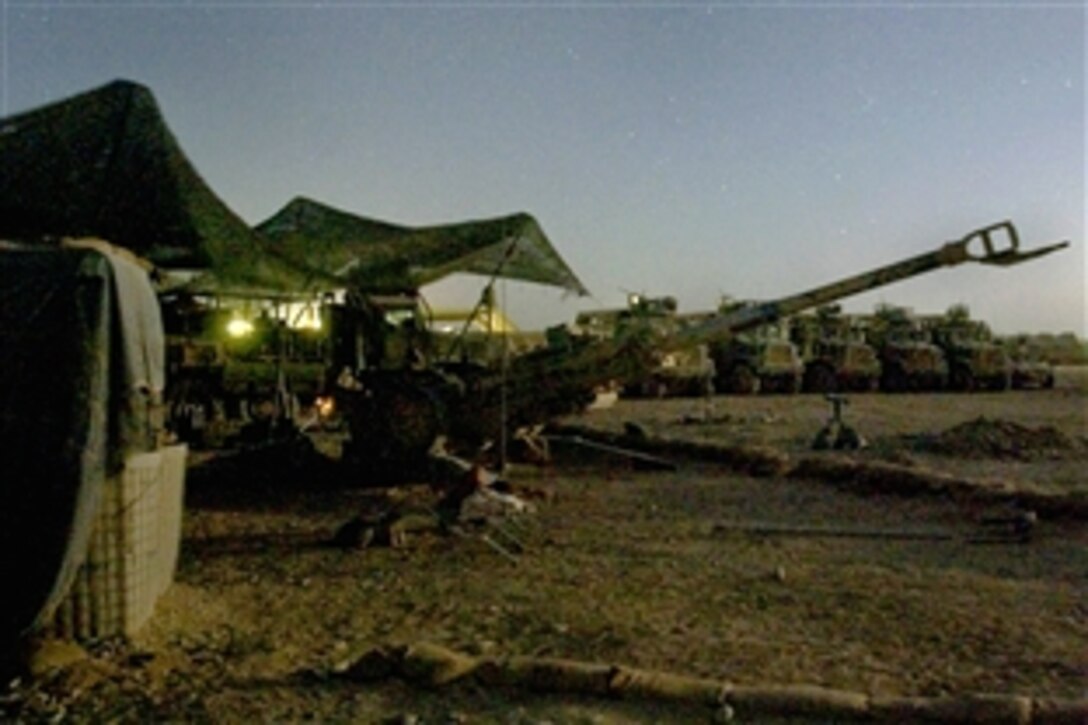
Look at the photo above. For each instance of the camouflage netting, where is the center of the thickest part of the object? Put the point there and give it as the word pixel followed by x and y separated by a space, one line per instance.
pixel 1002 439
pixel 104 164
pixel 392 257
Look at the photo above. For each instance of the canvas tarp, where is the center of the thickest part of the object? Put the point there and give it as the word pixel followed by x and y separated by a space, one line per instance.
pixel 81 363
pixel 105 164
pixel 383 256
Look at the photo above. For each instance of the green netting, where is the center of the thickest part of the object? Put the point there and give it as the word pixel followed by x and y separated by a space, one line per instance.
pixel 104 164
pixel 383 256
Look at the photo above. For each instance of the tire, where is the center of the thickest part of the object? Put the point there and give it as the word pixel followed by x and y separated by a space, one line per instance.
pixel 962 380
pixel 793 385
pixel 742 380
pixel 894 380
pixel 820 378
pixel 413 419
pixel 658 389
pixel 695 388
pixel 703 388
pixel 653 388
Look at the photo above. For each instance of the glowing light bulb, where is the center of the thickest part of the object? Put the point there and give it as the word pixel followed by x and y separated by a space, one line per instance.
pixel 238 327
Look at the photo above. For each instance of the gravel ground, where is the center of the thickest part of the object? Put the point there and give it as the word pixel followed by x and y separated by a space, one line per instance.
pixel 618 565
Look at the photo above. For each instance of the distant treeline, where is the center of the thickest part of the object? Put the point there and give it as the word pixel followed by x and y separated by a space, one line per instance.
pixel 1061 349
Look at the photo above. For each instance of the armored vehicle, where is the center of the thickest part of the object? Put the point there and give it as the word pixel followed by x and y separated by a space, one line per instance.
pixel 760 360
pixel 975 360
pixel 1030 368
pixel 835 352
pixel 909 360
pixel 680 372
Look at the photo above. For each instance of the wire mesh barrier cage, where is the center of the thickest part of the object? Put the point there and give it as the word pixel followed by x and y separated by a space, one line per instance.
pixel 133 550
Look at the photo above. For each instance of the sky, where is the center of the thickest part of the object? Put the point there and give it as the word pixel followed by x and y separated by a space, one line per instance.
pixel 753 149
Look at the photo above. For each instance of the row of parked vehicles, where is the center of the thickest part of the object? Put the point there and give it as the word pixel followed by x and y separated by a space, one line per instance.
pixel 225 372
pixel 827 350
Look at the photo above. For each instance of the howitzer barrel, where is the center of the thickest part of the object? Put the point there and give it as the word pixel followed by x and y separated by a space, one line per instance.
pixel 397 415
pixel 998 244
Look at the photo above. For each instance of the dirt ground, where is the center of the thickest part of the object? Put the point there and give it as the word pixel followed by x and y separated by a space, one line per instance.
pixel 619 565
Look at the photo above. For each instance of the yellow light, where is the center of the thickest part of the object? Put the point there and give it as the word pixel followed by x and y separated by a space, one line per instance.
pixel 311 320
pixel 304 317
pixel 238 327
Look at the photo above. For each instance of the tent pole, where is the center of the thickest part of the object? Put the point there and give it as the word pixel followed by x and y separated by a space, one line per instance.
pixel 505 370
pixel 486 297
pixel 281 344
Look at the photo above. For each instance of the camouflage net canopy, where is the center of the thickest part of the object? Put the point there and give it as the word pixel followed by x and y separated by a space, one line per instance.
pixel 104 164
pixel 379 256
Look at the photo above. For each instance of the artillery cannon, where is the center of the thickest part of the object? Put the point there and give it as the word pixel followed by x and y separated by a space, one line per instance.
pixel 396 415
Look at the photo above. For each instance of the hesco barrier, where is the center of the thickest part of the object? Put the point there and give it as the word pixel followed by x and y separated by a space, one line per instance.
pixel 852 474
pixel 431 665
pixel 133 549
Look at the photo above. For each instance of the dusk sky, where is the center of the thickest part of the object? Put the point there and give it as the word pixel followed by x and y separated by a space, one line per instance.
pixel 754 149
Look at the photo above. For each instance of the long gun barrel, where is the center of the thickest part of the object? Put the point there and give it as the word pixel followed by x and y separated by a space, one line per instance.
pixel 397 418
pixel 997 244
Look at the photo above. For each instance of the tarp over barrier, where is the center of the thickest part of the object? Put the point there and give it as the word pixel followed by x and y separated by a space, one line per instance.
pixel 104 164
pixel 387 257
pixel 81 364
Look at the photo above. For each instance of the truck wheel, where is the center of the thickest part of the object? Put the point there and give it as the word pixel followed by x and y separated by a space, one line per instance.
pixel 894 380
pixel 962 379
pixel 652 388
pixel 413 418
pixel 697 388
pixel 820 379
pixel 743 381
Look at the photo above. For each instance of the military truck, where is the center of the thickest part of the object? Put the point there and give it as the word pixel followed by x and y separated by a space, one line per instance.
pixel 760 360
pixel 678 372
pixel 233 364
pixel 834 350
pixel 909 360
pixel 1030 368
pixel 975 360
